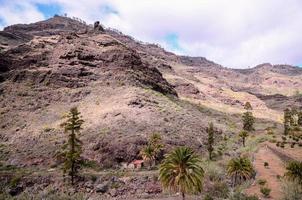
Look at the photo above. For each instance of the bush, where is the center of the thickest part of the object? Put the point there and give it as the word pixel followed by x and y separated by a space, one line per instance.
pixel 219 190
pixel 265 164
pixel 241 196
pixel 284 138
pixel 261 182
pixel 208 197
pixel 265 191
pixel 291 191
pixel 270 132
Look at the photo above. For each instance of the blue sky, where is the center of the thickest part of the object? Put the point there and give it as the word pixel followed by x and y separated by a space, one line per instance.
pixel 49 10
pixel 234 33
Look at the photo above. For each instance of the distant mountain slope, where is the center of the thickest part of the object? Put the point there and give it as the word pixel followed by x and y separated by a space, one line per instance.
pixel 125 89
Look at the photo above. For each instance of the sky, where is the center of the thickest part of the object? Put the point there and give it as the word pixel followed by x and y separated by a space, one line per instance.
pixel 234 33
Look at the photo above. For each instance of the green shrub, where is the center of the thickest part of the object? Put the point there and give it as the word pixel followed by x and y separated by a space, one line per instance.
pixel 15 181
pixel 270 132
pixel 261 182
pixel 208 197
pixel 265 191
pixel 291 191
pixel 219 190
pixel 241 196
pixel 47 129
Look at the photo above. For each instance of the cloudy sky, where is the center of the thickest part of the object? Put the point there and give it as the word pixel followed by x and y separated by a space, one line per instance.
pixel 234 33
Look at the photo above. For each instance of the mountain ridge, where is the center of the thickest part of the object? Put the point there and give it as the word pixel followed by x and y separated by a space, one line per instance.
pixel 125 89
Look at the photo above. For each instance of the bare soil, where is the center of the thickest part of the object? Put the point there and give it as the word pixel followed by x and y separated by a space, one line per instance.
pixel 276 167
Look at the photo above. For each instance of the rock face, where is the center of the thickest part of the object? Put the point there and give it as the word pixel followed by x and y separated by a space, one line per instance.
pixel 125 89
pixel 98 27
pixel 72 61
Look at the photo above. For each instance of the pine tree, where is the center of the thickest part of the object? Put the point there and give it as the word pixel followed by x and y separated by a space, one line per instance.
pixel 210 131
pixel 72 149
pixel 243 134
pixel 248 118
pixel 287 121
pixel 248 106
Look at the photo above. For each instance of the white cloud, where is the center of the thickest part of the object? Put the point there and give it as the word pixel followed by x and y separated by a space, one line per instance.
pixel 234 33
pixel 14 12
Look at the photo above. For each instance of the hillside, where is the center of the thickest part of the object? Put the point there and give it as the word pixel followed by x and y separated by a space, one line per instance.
pixel 126 90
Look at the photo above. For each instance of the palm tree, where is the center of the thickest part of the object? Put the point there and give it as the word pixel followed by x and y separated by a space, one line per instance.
pixel 148 155
pixel 243 134
pixel 181 171
pixel 294 171
pixel 240 169
pixel 156 142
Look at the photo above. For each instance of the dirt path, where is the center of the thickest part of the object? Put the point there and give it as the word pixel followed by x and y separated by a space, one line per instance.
pixel 276 167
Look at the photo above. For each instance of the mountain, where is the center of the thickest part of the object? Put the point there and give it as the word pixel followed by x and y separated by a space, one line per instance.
pixel 126 90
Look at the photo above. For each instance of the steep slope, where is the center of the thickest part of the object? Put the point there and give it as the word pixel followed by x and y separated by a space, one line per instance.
pixel 125 89
pixel 123 97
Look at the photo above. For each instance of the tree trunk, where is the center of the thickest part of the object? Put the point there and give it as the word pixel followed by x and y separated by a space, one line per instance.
pixel 243 141
pixel 183 196
pixel 72 154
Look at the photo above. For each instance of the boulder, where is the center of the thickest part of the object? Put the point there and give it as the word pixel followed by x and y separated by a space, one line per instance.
pixel 103 187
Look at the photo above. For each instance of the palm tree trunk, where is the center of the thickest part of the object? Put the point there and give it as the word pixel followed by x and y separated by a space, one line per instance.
pixel 243 140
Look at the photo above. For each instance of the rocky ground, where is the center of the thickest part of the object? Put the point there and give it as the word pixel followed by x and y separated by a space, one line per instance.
pixel 126 90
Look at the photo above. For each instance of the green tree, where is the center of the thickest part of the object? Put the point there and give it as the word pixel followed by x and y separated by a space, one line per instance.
pixel 300 118
pixel 243 134
pixel 156 143
pixel 287 121
pixel 248 106
pixel 294 171
pixel 248 119
pixel 148 155
pixel 181 171
pixel 240 169
pixel 72 149
pixel 210 130
pixel 152 150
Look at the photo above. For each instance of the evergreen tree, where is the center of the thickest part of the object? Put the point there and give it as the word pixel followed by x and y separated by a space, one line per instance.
pixel 210 131
pixel 300 118
pixel 72 149
pixel 293 115
pixel 248 106
pixel 287 121
pixel 243 134
pixel 248 118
